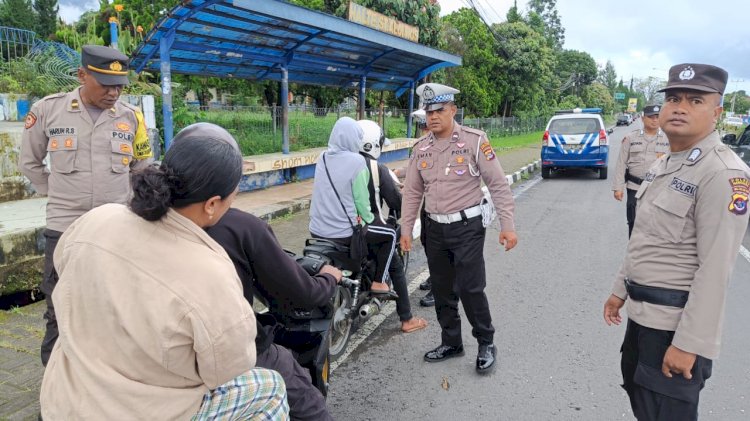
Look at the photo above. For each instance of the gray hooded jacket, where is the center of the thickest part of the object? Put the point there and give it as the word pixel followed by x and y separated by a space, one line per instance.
pixel 350 177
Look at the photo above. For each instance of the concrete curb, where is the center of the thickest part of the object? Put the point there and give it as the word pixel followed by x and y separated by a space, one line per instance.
pixel 523 172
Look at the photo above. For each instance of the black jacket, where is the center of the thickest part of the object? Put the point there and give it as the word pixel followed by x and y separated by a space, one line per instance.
pixel 263 266
pixel 389 191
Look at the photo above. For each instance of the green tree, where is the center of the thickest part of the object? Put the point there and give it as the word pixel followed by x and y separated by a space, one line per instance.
pixel 513 14
pixel 524 77
pixel 597 95
pixel 543 15
pixel 648 88
pixel 17 14
pixel 608 77
pixel 46 11
pixel 576 66
pixel 466 35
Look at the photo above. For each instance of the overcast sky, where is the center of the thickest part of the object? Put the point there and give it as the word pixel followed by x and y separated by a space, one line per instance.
pixel 641 37
pixel 645 37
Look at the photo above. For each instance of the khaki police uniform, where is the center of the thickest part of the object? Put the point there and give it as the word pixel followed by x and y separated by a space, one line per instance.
pixel 692 208
pixel 637 153
pixel 447 173
pixel 79 163
pixel 89 162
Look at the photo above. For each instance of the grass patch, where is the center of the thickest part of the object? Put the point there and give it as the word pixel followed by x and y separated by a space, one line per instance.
pixel 501 144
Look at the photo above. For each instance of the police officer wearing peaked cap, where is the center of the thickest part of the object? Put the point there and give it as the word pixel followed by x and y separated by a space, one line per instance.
pixel 639 149
pixel 692 215
pixel 446 170
pixel 93 141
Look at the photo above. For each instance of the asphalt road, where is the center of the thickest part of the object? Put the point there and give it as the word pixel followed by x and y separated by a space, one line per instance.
pixel 557 358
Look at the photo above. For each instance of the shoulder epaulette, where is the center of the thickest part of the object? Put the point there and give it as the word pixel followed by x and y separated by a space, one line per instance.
pixel 473 131
pixel 729 158
pixel 132 107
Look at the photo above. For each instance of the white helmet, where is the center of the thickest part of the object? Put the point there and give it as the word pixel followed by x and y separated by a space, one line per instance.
pixel 373 138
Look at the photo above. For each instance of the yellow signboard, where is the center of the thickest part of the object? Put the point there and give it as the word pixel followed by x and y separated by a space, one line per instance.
pixel 632 104
pixel 383 23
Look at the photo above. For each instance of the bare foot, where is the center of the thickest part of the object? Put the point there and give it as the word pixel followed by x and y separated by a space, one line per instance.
pixel 414 324
pixel 379 287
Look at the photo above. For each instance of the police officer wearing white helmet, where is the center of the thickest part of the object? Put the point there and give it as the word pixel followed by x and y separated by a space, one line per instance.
pixel 446 171
pixel 382 187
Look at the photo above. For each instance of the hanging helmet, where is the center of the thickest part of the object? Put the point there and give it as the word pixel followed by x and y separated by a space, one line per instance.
pixel 373 139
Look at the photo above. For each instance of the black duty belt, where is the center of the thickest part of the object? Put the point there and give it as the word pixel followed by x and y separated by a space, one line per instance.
pixel 655 295
pixel 634 179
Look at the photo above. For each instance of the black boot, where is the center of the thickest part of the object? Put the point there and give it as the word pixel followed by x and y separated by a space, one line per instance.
pixel 426 285
pixel 428 300
pixel 443 352
pixel 486 357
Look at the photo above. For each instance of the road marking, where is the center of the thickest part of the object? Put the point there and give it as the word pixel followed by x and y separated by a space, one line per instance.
pixel 389 307
pixel 375 321
pixel 745 253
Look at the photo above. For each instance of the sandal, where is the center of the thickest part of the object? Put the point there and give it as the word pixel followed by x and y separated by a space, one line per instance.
pixel 421 324
pixel 384 295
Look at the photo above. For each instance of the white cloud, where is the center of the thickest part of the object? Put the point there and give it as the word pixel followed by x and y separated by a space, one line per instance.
pixel 644 37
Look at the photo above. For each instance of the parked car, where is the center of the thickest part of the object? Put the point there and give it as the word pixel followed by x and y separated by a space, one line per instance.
pixel 741 145
pixel 733 121
pixel 576 139
pixel 624 120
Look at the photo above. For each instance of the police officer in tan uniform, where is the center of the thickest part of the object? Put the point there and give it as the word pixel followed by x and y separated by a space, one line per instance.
pixel 92 141
pixel 638 152
pixel 446 169
pixel 692 209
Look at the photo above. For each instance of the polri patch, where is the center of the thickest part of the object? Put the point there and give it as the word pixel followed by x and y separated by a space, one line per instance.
pixel 30 120
pixel 683 187
pixel 740 193
pixel 487 151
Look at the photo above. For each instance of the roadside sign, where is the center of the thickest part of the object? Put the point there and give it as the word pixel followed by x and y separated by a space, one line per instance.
pixel 619 95
pixel 632 104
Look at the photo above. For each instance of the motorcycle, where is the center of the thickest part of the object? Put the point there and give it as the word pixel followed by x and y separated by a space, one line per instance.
pixel 353 304
pixel 320 335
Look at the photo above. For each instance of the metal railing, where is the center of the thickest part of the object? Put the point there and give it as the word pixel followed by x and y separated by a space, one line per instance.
pixel 258 128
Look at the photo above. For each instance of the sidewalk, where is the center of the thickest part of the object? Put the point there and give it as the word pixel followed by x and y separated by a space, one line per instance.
pixel 22 329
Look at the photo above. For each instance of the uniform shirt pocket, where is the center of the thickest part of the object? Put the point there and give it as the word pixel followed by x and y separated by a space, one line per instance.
pixel 637 153
pixel 670 215
pixel 122 155
pixel 62 152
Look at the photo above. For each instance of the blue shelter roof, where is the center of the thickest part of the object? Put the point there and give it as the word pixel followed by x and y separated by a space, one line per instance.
pixel 252 39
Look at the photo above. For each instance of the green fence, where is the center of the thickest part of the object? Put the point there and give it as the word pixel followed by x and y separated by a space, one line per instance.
pixel 258 129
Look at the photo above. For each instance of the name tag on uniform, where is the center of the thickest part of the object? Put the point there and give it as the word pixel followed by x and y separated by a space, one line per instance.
pixel 683 187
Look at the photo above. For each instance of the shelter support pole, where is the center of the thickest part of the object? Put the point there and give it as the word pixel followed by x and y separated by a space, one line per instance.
pixel 362 83
pixel 409 119
pixel 165 43
pixel 284 110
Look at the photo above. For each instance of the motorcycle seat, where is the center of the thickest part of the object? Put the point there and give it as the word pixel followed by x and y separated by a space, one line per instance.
pixel 336 252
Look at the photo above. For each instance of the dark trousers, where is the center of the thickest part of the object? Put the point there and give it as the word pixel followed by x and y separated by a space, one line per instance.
pixel 653 396
pixel 398 278
pixel 49 281
pixel 630 209
pixel 456 262
pixel 382 239
pixel 305 401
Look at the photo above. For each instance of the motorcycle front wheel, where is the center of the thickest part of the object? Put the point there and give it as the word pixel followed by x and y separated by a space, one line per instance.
pixel 341 326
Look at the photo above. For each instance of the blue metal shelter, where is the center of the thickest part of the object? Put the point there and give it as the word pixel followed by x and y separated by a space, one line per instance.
pixel 275 40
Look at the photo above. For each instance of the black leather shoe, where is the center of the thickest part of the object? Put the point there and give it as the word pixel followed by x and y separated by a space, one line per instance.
pixel 428 300
pixel 443 352
pixel 486 357
pixel 426 285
